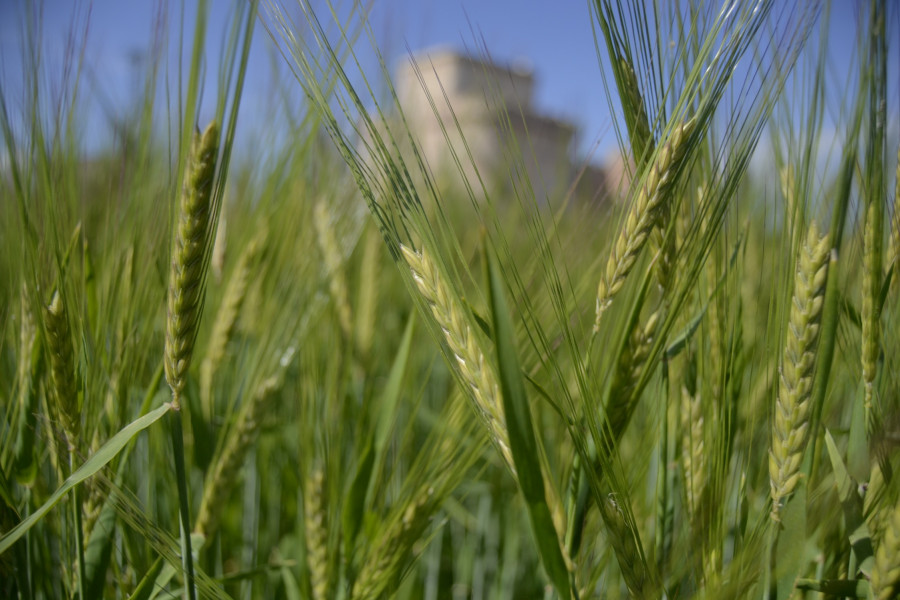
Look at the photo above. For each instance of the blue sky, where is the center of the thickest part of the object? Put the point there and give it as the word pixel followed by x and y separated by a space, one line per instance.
pixel 557 41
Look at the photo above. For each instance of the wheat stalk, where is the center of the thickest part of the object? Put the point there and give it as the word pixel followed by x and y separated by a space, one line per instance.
pixel 894 250
pixel 186 276
pixel 885 578
pixel 715 317
pixel 219 249
pixel 792 408
pixel 224 475
pixel 643 217
pixel 481 382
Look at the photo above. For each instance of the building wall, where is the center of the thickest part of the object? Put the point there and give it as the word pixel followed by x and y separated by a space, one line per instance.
pixel 492 106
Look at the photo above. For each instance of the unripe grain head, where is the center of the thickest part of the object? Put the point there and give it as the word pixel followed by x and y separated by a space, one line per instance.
pixel 790 429
pixel 189 251
pixel 653 196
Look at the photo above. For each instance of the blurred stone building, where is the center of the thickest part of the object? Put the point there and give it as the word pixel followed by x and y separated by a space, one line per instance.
pixel 447 97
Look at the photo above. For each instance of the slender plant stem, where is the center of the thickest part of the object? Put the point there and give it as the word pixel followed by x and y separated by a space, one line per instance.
pixel 771 581
pixel 79 533
pixel 662 475
pixel 187 559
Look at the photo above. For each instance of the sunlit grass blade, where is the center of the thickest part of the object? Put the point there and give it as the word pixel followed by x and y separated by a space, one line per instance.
pixel 91 466
pixel 523 443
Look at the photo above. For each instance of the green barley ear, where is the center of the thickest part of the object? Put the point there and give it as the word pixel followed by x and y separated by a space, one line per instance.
pixel 622 400
pixel 693 449
pixel 870 311
pixel 62 366
pixel 635 113
pixel 222 479
pixel 392 550
pixel 334 267
pixel 369 271
pixel 643 145
pixel 316 525
pixel 227 315
pixel 28 371
pixel 787 180
pixel 885 578
pixel 189 249
pixel 481 381
pixel 792 408
pixel 621 536
pixel 653 196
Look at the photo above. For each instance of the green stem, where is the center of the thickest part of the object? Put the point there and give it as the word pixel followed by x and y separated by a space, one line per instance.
pixel 79 533
pixel 663 515
pixel 771 581
pixel 187 559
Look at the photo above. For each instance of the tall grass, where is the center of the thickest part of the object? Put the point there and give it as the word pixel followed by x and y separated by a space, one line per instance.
pixel 384 383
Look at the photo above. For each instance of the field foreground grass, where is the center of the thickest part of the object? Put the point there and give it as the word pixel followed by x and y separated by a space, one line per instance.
pixel 322 371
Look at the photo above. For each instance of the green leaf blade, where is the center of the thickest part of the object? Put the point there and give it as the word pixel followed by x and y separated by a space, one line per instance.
pixel 97 461
pixel 522 441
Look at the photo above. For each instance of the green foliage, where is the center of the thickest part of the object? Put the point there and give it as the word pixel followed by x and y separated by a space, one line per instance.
pixel 365 415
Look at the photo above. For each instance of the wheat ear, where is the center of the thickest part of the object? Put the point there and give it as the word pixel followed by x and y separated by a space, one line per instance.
pixel 885 578
pixel 29 352
pixel 635 113
pixel 786 178
pixel 369 271
pixel 390 552
pixel 693 449
pixel 628 371
pixel 315 522
pixel 62 366
pixel 226 317
pixel 624 543
pixel 334 267
pixel 643 216
pixel 480 379
pixel 224 475
pixel 642 145
pixel 186 276
pixel 792 408
pixel 870 312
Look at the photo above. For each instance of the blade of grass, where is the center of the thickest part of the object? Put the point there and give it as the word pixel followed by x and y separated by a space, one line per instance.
pixel 361 487
pixel 97 461
pixel 522 439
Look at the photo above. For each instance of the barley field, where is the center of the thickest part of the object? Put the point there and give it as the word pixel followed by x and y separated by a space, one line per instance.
pixel 327 370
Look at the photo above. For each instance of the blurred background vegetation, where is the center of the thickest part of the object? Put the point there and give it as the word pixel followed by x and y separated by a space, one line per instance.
pixel 404 380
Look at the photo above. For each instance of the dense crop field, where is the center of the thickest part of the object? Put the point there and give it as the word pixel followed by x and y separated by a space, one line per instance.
pixel 320 371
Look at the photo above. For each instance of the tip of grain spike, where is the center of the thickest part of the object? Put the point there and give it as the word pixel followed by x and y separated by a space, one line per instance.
pixel 55 306
pixel 210 136
pixel 687 127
